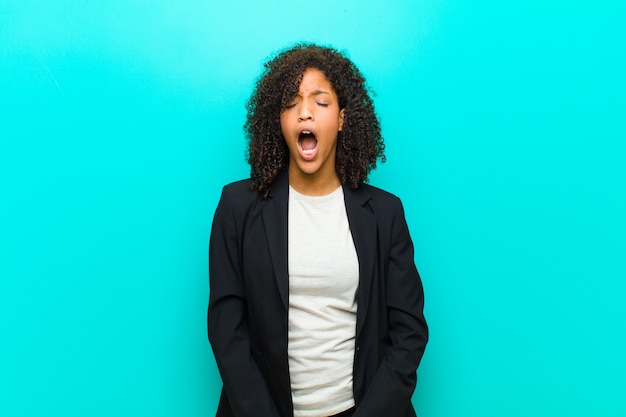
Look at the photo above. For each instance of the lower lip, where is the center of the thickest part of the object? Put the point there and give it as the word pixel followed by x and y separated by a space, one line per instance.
pixel 307 155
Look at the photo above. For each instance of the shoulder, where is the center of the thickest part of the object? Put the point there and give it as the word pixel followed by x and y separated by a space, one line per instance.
pixel 238 188
pixel 379 198
pixel 388 211
pixel 378 192
pixel 239 195
pixel 385 207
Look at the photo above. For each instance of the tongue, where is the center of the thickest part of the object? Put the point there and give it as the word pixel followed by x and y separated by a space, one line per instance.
pixel 308 142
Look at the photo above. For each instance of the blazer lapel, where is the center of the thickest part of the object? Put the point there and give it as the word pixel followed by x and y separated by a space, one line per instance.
pixel 275 220
pixel 362 225
pixel 364 233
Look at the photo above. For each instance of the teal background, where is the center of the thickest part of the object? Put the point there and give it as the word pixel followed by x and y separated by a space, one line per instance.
pixel 120 121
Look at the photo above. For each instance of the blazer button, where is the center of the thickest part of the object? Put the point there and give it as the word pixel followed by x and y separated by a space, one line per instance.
pixel 358 348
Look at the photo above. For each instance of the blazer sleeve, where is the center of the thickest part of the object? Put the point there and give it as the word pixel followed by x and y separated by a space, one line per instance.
pixel 244 386
pixel 392 387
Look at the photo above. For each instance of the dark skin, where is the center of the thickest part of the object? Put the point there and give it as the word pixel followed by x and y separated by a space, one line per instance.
pixel 310 124
pixel 359 143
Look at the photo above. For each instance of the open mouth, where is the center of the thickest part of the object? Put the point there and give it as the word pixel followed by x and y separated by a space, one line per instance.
pixel 307 143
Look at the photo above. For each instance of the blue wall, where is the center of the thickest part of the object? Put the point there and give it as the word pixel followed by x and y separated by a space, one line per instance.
pixel 505 128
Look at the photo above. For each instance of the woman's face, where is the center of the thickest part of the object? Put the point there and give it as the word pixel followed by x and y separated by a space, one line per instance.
pixel 310 124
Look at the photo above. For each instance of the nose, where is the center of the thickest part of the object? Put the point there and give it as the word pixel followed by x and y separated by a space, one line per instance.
pixel 305 112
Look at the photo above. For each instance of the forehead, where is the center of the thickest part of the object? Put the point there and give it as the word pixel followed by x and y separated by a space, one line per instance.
pixel 314 79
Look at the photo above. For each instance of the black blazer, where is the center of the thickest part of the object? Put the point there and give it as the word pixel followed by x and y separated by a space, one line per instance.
pixel 248 302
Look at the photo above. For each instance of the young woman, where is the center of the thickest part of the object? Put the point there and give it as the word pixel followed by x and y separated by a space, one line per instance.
pixel 315 307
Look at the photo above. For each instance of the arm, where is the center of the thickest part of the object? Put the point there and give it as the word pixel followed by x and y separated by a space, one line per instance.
pixel 244 385
pixel 392 387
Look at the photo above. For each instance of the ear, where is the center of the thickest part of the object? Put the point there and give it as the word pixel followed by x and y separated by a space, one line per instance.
pixel 342 113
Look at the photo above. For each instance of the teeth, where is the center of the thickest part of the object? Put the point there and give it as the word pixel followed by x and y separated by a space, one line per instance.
pixel 306 132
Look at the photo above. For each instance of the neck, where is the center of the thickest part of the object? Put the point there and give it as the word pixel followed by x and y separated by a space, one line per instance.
pixel 314 185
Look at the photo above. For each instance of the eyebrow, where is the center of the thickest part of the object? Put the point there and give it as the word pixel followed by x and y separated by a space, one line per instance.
pixel 318 92
pixel 314 93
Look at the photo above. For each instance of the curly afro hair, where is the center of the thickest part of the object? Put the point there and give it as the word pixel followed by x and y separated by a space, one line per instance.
pixel 359 144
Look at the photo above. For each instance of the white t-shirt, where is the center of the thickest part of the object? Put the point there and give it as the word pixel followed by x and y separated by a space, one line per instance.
pixel 323 283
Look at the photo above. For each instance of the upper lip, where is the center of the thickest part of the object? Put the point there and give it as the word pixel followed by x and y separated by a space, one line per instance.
pixel 306 129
